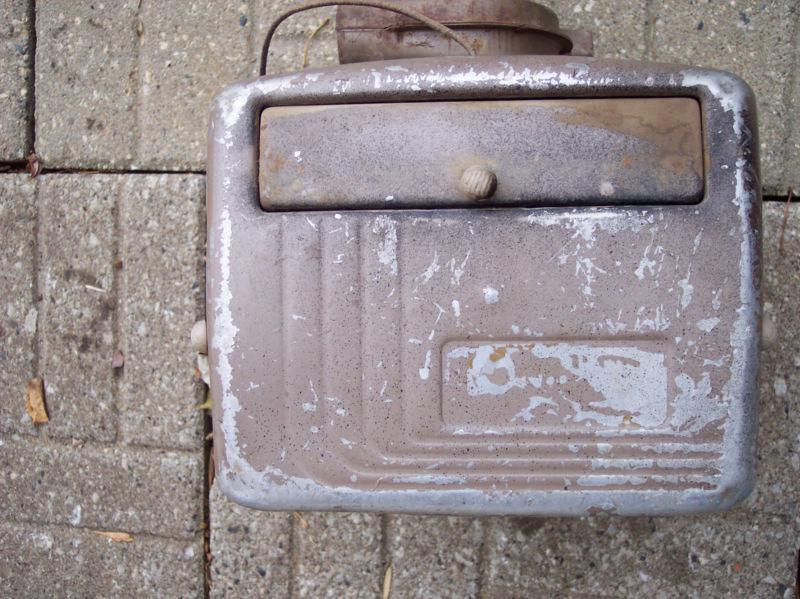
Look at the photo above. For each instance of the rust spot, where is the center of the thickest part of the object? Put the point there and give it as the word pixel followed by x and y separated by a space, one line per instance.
pixel 595 510
pixel 498 354
pixel 672 125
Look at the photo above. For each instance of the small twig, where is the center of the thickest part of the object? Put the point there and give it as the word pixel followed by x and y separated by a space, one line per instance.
pixel 303 522
pixel 310 39
pixel 785 219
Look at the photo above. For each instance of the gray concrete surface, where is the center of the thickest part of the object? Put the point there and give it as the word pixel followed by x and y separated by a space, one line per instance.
pixel 102 488
pixel 15 92
pixel 127 85
pixel 89 259
pixel 161 246
pixel 69 562
pixel 18 316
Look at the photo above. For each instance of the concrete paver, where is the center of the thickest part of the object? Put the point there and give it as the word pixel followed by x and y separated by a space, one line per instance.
pixel 251 551
pixel 38 561
pixel 338 555
pixel 105 488
pixel 435 556
pixel 731 555
pixel 15 92
pixel 791 177
pixel 77 311
pixel 86 84
pixel 187 49
pixel 752 39
pixel 778 491
pixel 18 314
pixel 161 296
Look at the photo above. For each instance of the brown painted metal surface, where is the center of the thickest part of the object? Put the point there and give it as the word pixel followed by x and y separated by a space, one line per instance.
pixel 542 152
pixel 543 360
pixel 494 27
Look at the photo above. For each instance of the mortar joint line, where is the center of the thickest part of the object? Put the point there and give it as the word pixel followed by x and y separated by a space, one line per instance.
pixel 31 78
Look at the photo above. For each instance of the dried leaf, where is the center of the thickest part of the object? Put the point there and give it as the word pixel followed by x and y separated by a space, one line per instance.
pixel 387 582
pixel 117 537
pixel 34 166
pixel 206 405
pixel 118 360
pixel 212 470
pixel 303 522
pixel 78 443
pixel 34 401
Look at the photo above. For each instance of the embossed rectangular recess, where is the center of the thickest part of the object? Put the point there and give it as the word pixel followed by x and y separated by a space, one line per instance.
pixel 543 153
pixel 552 385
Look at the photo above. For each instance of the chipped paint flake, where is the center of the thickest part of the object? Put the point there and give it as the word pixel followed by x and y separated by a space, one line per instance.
pixel 491 295
pixel 387 247
pixel 596 384
pixel 425 371
pixel 707 324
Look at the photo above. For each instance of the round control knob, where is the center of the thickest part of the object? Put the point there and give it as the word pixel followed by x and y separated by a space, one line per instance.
pixel 478 182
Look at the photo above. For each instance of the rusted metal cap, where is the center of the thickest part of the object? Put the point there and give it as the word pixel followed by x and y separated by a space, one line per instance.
pixel 494 27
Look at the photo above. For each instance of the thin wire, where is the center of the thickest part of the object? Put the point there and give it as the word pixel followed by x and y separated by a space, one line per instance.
pixel 413 14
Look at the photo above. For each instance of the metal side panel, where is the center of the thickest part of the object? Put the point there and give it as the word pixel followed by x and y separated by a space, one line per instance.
pixel 533 361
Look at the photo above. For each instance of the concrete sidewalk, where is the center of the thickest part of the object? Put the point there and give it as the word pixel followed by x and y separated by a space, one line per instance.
pixel 104 261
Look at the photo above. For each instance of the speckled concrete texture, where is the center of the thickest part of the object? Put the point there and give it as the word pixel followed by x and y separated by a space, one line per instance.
pixel 64 313
pixel 86 84
pixel 337 555
pixel 127 84
pixel 104 488
pixel 185 50
pixel 733 555
pixel 435 556
pixel 18 316
pixel 753 39
pixel 778 490
pixel 251 551
pixel 619 27
pixel 78 308
pixel 40 562
pixel 162 224
pixel 15 92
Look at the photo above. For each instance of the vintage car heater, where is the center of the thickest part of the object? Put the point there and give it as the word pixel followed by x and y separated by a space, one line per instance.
pixel 470 271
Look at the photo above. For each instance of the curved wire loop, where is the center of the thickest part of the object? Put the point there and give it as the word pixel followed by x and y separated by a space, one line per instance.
pixel 413 14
